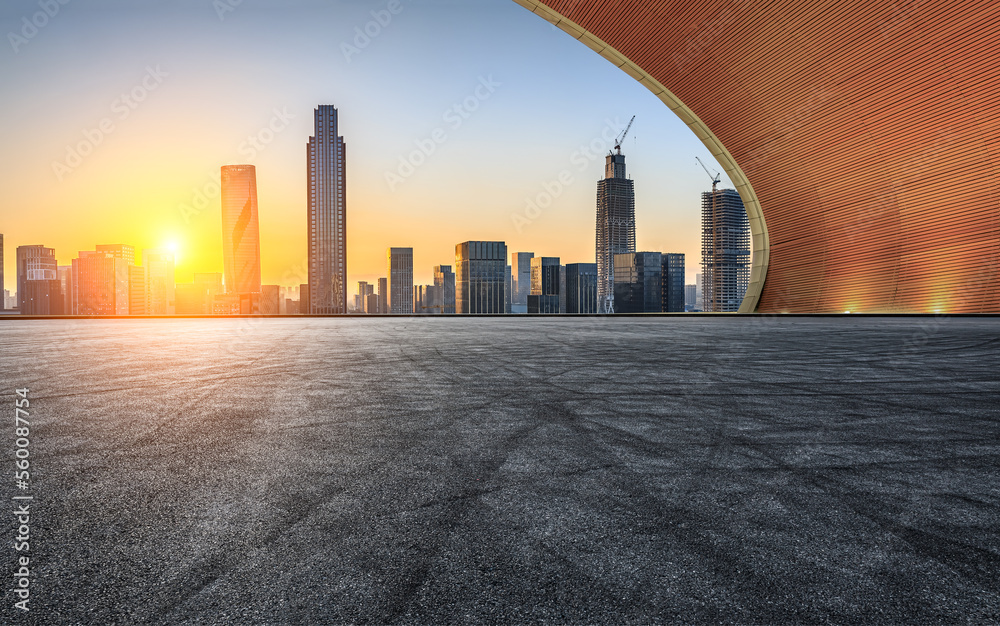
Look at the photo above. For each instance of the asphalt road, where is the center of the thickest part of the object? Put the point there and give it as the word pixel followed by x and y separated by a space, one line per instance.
pixel 455 470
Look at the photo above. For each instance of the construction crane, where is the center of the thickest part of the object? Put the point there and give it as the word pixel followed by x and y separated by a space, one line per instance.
pixel 715 179
pixel 709 274
pixel 621 137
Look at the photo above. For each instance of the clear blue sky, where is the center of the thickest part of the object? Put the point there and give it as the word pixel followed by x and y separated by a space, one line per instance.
pixel 217 81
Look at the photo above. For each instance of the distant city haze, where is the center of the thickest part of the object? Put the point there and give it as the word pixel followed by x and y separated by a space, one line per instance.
pixel 465 121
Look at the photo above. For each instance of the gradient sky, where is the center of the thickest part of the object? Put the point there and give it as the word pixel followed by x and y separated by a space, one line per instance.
pixel 218 81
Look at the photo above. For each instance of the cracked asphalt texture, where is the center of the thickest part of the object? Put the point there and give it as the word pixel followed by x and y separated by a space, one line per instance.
pixel 508 470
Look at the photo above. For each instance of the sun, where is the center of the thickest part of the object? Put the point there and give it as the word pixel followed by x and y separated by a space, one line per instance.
pixel 175 249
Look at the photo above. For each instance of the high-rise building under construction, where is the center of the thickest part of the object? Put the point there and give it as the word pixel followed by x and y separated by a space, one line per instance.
pixel 615 226
pixel 725 250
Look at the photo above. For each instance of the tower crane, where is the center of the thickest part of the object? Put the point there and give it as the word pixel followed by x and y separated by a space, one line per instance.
pixel 621 137
pixel 715 179
pixel 710 277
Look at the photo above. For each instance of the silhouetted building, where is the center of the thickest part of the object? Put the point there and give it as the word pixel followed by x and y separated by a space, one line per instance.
pixel 672 287
pixel 638 282
pixel 615 225
pixel 480 277
pixel 725 250
pixel 544 296
pixel 101 282
pixel 371 304
pixel 581 288
pixel 327 213
pixel 520 269
pixel 383 295
pixel 400 266
pixel 444 281
pixel 38 283
pixel 240 229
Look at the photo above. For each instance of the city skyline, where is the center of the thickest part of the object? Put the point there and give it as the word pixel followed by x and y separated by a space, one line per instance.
pixel 122 191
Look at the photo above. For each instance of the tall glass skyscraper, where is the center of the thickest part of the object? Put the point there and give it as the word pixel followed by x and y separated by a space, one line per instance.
pixel 615 226
pixel 481 277
pixel 240 230
pixel 672 275
pixel 399 263
pixel 327 193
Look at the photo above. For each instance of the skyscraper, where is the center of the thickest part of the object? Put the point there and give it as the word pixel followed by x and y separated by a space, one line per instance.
pixel 544 296
pixel 638 283
pixel 39 291
pixel 444 280
pixel 581 288
pixel 672 287
pixel 615 225
pixel 725 250
pixel 520 267
pixel 101 283
pixel 480 277
pixel 400 267
pixel 240 230
pixel 158 276
pixel 327 213
pixel 383 295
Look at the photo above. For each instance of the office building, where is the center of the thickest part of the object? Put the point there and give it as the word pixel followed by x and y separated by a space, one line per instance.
pixel 700 293
pixel 240 229
pixel 638 282
pixel 520 269
pixel 400 270
pixel 544 296
pixel 158 272
pixel 326 160
pixel 65 273
pixel 136 290
pixel 422 299
pixel 270 300
pixel 39 291
pixel 444 281
pixel 304 305
pixel 383 295
pixel 121 251
pixel 581 288
pixel 507 291
pixel 371 304
pixel 725 250
pixel 615 225
pixel 480 277
pixel 101 282
pixel 672 287
pixel 690 297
